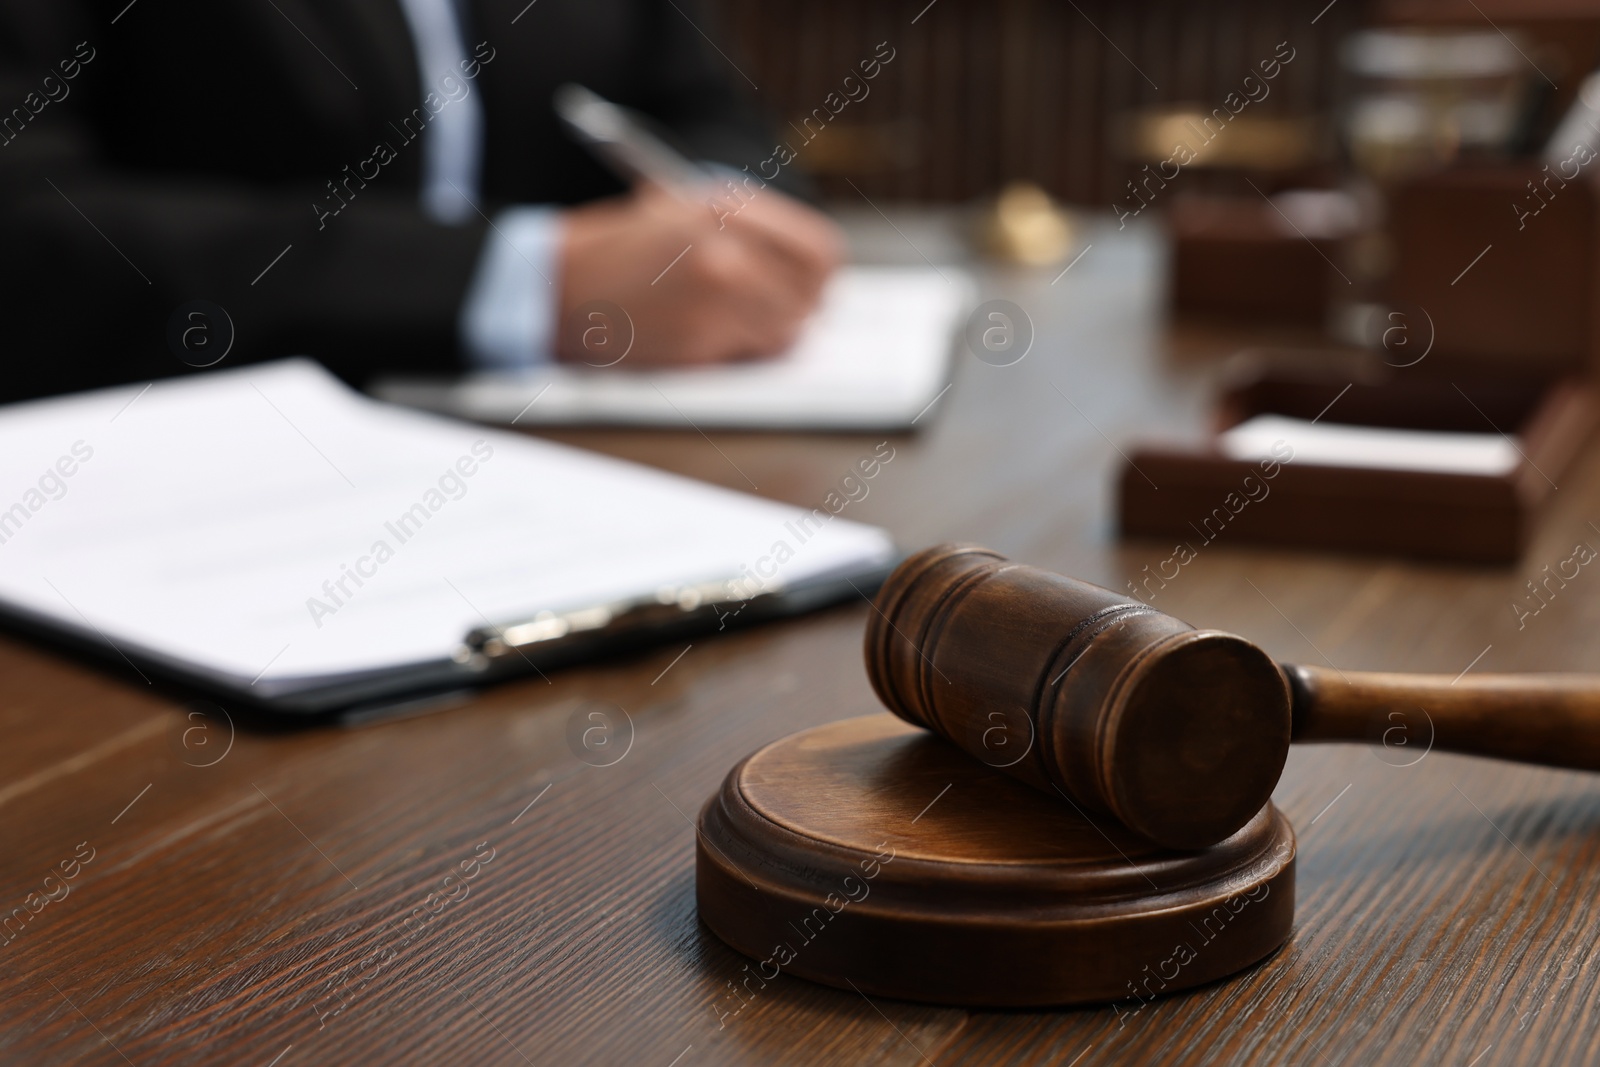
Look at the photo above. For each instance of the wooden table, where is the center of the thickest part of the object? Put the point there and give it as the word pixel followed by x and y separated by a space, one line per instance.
pixel 254 910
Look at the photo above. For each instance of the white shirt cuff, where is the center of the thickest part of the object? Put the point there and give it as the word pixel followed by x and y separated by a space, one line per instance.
pixel 507 320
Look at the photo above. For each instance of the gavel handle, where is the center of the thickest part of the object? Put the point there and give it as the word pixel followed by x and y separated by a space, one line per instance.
pixel 1553 719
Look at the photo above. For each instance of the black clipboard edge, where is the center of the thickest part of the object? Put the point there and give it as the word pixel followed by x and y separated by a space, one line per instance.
pixel 404 689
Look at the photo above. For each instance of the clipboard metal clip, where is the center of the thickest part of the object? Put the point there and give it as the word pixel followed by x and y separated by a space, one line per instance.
pixel 670 608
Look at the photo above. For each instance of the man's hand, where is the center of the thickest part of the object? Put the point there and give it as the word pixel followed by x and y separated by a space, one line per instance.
pixel 699 284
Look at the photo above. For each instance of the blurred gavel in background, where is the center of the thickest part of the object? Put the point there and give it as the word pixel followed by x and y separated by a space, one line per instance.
pixel 1181 734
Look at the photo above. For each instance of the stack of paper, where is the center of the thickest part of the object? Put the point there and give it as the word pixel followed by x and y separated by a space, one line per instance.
pixel 271 530
pixel 875 356
pixel 1376 447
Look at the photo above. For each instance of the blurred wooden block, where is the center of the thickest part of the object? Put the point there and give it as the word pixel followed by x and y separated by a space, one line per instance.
pixel 1503 289
pixel 1496 290
pixel 1236 257
pixel 1476 518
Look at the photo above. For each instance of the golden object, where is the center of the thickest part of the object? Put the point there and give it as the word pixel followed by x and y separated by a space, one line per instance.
pixel 1192 137
pixel 1024 225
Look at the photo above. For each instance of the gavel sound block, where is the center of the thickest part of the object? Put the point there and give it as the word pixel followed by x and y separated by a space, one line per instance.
pixel 871 855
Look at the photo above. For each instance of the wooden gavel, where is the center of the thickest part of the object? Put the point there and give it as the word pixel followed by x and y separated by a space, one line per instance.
pixel 1181 734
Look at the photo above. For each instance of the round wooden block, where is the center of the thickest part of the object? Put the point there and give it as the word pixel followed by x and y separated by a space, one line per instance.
pixel 871 854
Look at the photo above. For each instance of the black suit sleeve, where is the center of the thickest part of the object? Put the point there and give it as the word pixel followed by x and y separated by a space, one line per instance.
pixel 96 254
pixel 182 158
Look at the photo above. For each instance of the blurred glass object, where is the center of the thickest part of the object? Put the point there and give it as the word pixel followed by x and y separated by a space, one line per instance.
pixel 1424 98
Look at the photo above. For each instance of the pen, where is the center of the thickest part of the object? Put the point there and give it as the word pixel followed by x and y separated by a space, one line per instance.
pixel 672 608
pixel 619 137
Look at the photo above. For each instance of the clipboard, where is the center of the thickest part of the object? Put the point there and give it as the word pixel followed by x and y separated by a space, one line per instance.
pixel 367 556
pixel 400 691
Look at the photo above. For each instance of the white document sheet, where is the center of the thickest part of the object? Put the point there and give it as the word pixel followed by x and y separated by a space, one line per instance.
pixel 875 356
pixel 1342 445
pixel 266 525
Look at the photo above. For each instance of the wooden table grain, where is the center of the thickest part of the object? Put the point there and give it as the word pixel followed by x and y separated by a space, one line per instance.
pixel 462 887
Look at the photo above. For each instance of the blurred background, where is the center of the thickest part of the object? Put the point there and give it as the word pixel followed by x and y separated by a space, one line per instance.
pixel 1060 93
pixel 1296 213
pixel 1392 197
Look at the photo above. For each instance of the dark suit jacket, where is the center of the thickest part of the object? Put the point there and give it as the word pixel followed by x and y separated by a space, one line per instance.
pixel 196 139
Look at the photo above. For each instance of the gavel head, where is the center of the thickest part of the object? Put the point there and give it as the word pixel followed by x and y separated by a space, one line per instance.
pixel 1180 734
